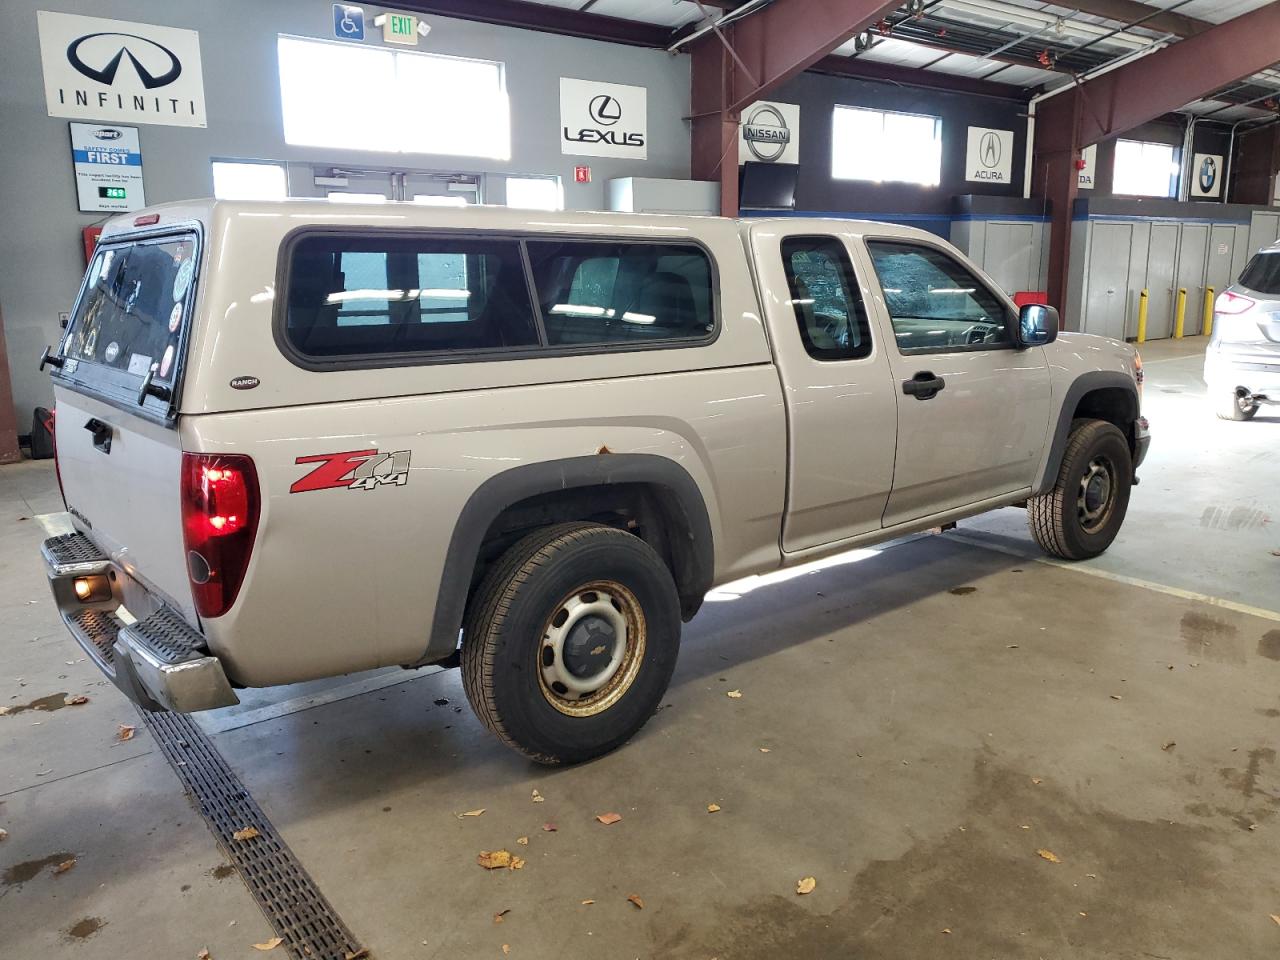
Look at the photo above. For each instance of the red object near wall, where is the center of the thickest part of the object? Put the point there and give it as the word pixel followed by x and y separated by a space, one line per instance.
pixel 1023 297
pixel 90 236
pixel 582 174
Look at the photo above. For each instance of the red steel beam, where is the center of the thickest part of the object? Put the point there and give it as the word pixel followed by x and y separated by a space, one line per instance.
pixel 916 77
pixel 545 19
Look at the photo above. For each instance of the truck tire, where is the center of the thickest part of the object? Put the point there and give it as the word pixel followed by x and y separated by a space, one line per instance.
pixel 1083 512
pixel 1231 405
pixel 570 641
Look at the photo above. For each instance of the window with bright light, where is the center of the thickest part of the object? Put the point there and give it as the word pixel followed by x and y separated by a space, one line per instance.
pixel 1145 169
pixel 535 193
pixel 245 180
pixel 880 145
pixel 337 95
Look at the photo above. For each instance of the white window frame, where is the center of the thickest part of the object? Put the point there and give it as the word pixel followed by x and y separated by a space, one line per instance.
pixel 531 178
pixel 309 120
pixel 230 194
pixel 1145 181
pixel 881 161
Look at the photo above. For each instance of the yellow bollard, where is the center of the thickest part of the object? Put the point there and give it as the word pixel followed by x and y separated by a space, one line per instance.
pixel 1142 316
pixel 1208 311
pixel 1180 315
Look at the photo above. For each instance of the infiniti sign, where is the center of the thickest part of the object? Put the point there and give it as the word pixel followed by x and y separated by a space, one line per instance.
pixel 100 69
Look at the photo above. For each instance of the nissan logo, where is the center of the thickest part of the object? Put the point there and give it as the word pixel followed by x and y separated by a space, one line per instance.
pixel 605 110
pixel 101 61
pixel 766 133
pixel 989 150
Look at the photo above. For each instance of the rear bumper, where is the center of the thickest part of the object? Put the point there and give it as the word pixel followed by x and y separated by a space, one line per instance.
pixel 1226 370
pixel 150 652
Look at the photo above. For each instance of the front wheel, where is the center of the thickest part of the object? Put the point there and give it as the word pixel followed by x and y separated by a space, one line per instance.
pixel 1083 512
pixel 1235 404
pixel 570 642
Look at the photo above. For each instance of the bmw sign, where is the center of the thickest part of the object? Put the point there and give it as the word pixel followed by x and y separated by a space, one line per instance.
pixel 1206 175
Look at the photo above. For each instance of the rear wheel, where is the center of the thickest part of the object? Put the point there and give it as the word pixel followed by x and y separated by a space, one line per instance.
pixel 1083 512
pixel 570 642
pixel 1235 404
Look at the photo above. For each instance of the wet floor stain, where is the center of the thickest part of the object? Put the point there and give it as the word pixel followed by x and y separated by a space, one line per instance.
pixel 1269 645
pixel 983 892
pixel 1208 638
pixel 222 871
pixel 962 591
pixel 86 928
pixel 21 873
pixel 54 701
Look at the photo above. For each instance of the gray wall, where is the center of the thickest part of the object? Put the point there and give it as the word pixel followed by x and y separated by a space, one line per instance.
pixel 40 249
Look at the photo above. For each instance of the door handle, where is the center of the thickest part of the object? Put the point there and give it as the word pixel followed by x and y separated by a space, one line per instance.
pixel 101 434
pixel 923 386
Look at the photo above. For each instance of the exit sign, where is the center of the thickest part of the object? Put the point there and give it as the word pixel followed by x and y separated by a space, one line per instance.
pixel 400 28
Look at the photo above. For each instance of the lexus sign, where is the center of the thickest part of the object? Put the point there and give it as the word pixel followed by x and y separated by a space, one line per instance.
pixel 603 119
pixel 98 69
pixel 769 133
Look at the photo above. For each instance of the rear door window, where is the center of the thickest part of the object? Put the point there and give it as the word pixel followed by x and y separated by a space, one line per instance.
pixel 367 296
pixel 1262 275
pixel 132 316
pixel 826 299
pixel 594 293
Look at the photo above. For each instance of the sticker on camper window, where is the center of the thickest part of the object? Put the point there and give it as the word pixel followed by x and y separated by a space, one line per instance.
pixel 112 351
pixel 139 364
pixel 354 470
pixel 175 317
pixel 107 257
pixel 183 279
pixel 166 361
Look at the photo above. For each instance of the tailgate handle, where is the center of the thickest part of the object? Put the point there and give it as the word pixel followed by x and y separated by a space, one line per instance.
pixel 101 434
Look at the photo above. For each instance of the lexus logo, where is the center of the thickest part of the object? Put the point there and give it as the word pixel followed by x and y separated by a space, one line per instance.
pixel 989 150
pixel 605 110
pixel 766 133
pixel 1208 174
pixel 98 57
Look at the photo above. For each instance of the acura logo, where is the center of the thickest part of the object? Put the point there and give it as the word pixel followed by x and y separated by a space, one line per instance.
pixel 101 61
pixel 605 110
pixel 1208 174
pixel 766 133
pixel 989 150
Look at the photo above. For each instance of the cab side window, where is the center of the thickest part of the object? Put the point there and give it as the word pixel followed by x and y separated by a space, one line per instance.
pixel 826 299
pixel 935 303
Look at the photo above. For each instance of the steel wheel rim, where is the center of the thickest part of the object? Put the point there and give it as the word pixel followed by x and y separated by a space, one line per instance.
pixel 1097 493
pixel 576 677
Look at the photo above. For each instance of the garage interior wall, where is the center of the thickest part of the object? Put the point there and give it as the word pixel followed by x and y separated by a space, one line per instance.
pixel 41 258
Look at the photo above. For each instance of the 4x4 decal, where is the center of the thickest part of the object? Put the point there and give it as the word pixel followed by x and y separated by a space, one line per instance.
pixel 354 469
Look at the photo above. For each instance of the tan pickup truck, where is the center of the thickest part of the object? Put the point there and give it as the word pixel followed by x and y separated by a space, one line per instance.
pixel 302 439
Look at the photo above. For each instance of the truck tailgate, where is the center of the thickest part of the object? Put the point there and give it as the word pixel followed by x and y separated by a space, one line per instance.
pixel 126 500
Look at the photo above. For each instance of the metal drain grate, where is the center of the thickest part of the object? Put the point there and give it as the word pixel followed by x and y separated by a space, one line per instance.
pixel 289 898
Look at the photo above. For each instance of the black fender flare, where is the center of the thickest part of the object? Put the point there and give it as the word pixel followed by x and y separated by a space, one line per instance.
pixel 503 490
pixel 1084 384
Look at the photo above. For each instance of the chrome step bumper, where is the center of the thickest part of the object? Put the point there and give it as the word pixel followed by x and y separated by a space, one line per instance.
pixel 159 661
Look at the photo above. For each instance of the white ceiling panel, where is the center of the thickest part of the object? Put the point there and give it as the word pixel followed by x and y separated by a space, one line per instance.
pixel 965 66
pixel 899 52
pixel 668 13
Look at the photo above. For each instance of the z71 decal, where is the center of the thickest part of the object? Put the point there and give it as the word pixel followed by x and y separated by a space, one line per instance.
pixel 355 470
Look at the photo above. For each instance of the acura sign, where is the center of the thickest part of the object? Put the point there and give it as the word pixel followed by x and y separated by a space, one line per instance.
pixel 603 119
pixel 770 133
pixel 989 156
pixel 98 69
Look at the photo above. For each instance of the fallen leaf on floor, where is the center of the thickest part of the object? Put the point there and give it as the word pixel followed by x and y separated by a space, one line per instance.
pixel 65 865
pixel 269 944
pixel 1092 876
pixel 536 797
pixel 550 827
pixel 764 749
pixel 1037 781
pixel 1083 914
pixel 1116 696
pixel 1170 745
pixel 635 899
pixel 587 903
pixel 946 930
pixel 1276 918
pixel 247 833
pixel 806 885
pixel 506 948
pixel 523 841
pixel 1026 826
pixel 472 813
pixel 609 818
pixel 1011 646
pixel 1049 855
pixel 497 917
pixel 713 808
pixel 77 701
pixel 4 711
pixel 734 694
pixel 204 954
pixel 124 733
pixel 494 859
pixel 358 955
pixel 517 863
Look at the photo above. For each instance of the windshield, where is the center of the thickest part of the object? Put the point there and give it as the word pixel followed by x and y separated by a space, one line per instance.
pixel 131 315
pixel 1263 273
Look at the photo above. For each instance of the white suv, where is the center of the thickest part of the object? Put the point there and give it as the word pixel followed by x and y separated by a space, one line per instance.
pixel 1242 361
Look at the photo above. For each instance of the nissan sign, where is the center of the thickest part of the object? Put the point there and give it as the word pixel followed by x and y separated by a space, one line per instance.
pixel 99 69
pixel 769 133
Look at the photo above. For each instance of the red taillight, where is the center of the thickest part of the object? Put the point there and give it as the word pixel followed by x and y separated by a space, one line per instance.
pixel 1230 303
pixel 220 509
pixel 52 426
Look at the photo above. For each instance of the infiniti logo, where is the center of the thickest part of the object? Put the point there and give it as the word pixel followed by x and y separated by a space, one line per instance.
pixel 100 60
pixel 605 110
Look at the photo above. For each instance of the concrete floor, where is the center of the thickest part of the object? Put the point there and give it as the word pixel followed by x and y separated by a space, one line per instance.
pixel 934 714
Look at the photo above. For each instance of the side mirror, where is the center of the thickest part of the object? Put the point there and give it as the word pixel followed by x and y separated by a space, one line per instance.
pixel 1037 325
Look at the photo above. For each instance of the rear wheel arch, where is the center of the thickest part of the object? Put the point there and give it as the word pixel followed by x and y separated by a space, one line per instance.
pixel 1098 395
pixel 648 495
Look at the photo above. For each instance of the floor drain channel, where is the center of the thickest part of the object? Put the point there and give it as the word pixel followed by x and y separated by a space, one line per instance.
pixel 288 896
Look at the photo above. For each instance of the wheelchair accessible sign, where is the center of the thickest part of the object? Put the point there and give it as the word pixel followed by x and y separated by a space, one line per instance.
pixel 108 165
pixel 348 22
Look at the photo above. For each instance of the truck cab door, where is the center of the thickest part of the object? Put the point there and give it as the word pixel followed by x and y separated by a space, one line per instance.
pixel 973 410
pixel 836 382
